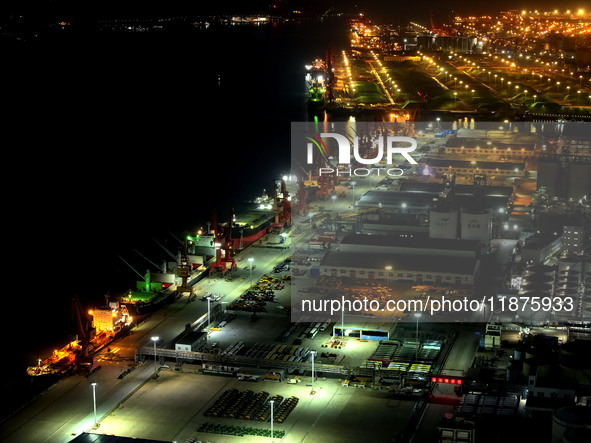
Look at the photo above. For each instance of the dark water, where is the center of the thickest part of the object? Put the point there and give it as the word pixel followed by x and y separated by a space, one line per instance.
pixel 125 137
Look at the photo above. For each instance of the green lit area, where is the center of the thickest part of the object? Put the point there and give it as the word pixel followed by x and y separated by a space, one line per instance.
pixel 143 286
pixel 141 296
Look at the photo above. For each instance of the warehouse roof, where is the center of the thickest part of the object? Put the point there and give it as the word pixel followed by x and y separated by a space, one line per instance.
pixel 405 262
pixel 468 142
pixel 411 242
pixel 422 199
pixel 442 163
pixel 430 187
pixel 538 241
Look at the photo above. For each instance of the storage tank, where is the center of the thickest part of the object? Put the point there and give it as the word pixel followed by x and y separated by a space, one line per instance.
pixel 570 418
pixel 551 176
pixel 579 179
pixel 476 226
pixel 565 293
pixel 443 224
pixel 535 286
pixel 537 268
pixel 530 278
pixel 570 263
pixel 577 436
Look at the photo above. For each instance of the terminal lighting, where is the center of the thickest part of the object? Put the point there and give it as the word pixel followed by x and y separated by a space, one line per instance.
pixel 448 380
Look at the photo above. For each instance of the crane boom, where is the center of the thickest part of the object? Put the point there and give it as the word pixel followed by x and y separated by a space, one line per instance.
pixel 143 277
pixel 149 261
pixel 165 250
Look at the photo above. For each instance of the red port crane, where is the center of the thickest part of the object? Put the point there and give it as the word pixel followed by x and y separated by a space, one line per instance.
pixel 223 244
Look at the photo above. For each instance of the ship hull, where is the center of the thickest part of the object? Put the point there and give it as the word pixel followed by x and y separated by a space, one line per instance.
pixel 247 240
pixel 143 308
pixel 250 227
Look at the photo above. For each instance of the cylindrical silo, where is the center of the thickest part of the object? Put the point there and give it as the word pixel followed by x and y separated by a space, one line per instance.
pixel 476 226
pixel 443 224
pixel 567 418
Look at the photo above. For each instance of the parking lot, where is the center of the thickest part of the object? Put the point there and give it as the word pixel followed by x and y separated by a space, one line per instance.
pixel 172 408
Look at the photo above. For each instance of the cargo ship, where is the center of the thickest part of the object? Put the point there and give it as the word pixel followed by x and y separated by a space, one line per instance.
pixel 316 79
pixel 67 358
pixel 252 224
pixel 265 215
pixel 109 324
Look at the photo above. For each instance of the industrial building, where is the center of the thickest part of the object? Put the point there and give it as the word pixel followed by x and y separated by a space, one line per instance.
pixel 565 176
pixel 412 259
pixel 417 197
pixel 396 245
pixel 438 167
pixel 574 239
pixel 456 270
pixel 191 342
pixel 445 43
pixel 364 331
pixel 539 247
pixel 459 230
pixel 461 146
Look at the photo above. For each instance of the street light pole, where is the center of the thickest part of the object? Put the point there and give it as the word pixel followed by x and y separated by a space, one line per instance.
pixel 417 315
pixel 93 384
pixel 250 260
pixel 272 401
pixel 313 355
pixel 208 310
pixel 155 339
pixel 343 322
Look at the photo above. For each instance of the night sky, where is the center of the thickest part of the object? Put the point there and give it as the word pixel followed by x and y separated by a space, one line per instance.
pixel 378 10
